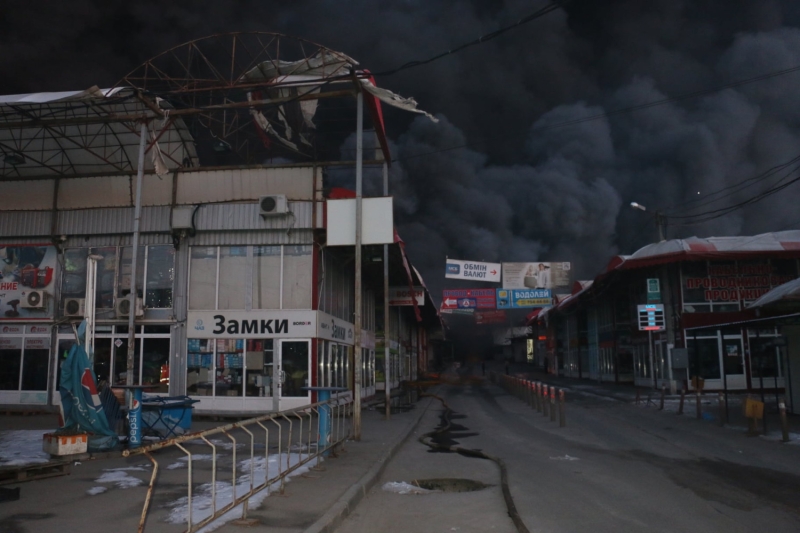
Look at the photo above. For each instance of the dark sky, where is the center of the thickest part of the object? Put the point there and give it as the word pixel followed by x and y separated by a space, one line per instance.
pixel 523 189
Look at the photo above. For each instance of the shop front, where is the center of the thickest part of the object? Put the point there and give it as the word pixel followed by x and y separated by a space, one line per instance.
pixel 262 360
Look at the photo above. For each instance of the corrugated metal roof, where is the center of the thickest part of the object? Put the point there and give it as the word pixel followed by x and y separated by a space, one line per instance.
pixel 243 238
pixel 247 216
pixel 788 292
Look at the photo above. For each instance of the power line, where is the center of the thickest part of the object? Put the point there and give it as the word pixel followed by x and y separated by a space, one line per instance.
pixel 480 40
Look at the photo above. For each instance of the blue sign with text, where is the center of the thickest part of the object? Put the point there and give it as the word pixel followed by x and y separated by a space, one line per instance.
pixel 522 298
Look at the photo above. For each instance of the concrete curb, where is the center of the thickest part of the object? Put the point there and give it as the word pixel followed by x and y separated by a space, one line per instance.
pixel 340 510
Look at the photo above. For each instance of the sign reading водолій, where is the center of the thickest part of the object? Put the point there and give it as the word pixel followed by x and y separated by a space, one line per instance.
pixel 473 270
pixel 535 275
pixel 521 298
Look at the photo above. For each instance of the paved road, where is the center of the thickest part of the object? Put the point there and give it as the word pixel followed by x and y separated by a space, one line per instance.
pixel 616 467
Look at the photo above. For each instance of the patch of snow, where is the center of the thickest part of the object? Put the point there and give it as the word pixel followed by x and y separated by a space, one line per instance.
pixel 564 458
pixel 96 490
pixel 120 477
pixel 401 487
pixel 182 462
pixel 226 493
pixel 22 447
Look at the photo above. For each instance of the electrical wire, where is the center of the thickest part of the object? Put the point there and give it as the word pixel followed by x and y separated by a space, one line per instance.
pixel 480 40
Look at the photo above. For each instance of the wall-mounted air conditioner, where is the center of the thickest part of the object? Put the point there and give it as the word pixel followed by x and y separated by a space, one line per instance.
pixel 273 205
pixel 74 306
pixel 122 307
pixel 34 300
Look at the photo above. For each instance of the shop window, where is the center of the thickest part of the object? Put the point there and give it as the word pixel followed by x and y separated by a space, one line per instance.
pixel 297 272
pixel 258 367
pixel 294 361
pixel 106 276
pixel 267 277
pixel 232 277
pixel 200 367
pixel 765 357
pixel 10 362
pixel 155 364
pixel 203 278
pixel 704 357
pixel 125 272
pixel 229 374
pixel 160 275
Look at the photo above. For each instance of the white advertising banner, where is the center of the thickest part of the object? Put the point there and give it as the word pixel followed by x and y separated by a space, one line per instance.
pixel 404 296
pixel 472 270
pixel 27 269
pixel 377 221
pixel 536 275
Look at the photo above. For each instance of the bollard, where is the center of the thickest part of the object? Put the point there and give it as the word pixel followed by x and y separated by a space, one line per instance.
pixel 697 401
pixel 562 409
pixel 538 386
pixel 722 420
pixel 552 404
pixel 529 388
pixel 784 420
pixel 663 392
pixel 680 406
pixel 638 396
pixel 545 403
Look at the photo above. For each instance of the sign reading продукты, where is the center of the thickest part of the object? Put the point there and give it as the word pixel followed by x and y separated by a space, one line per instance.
pixel 520 298
pixel 468 299
pixel 456 269
pixel 651 317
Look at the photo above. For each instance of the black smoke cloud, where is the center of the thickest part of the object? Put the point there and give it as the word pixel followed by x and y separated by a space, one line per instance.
pixel 525 188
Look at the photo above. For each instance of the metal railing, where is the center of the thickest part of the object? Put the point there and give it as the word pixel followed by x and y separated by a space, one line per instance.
pixel 297 436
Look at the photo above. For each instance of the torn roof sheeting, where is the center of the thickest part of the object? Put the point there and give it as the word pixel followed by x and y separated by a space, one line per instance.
pixel 84 133
pixel 324 65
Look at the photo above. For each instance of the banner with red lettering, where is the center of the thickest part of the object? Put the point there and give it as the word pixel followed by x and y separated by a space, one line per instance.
pixel 27 280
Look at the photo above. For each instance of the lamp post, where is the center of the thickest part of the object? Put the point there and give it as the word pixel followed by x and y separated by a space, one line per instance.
pixel 661 220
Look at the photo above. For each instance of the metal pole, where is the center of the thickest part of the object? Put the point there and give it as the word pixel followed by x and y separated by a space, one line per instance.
pixel 137 214
pixel 386 372
pixel 697 378
pixel 357 339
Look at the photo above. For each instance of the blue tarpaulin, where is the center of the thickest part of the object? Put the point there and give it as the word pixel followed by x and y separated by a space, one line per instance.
pixel 83 410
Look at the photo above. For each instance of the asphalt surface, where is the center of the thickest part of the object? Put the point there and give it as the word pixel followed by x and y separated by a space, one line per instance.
pixel 615 467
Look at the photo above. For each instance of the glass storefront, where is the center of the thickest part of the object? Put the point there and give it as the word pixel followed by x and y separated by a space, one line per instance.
pixel 24 358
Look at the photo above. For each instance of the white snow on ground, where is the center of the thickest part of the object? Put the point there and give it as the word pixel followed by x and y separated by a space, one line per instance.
pixel 94 491
pixel 401 487
pixel 120 477
pixel 202 500
pixel 564 458
pixel 184 461
pixel 22 447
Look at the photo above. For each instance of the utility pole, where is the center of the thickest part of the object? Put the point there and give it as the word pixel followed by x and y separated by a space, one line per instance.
pixel 357 337
pixel 137 215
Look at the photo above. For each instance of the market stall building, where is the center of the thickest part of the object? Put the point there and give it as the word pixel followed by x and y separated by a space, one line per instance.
pixel 703 287
pixel 240 301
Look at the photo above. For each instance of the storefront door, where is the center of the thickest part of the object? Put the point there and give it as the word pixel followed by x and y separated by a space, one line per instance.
pixel 291 374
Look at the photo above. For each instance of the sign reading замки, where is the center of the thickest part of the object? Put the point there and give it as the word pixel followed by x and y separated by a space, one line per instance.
pixel 474 270
pixel 268 324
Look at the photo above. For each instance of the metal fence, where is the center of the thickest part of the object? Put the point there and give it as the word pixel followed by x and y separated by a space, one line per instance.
pixel 290 439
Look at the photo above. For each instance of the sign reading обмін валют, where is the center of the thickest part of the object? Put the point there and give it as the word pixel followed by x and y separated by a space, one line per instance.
pixel 472 270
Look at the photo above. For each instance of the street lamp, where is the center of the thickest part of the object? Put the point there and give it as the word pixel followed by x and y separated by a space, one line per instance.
pixel 661 220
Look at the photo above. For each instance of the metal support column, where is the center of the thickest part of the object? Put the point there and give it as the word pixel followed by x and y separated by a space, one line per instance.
pixel 386 371
pixel 358 295
pixel 137 215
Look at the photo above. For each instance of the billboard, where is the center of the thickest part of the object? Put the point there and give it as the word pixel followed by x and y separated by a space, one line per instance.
pixel 523 298
pixel 474 270
pixel 468 299
pixel 535 275
pixel 24 270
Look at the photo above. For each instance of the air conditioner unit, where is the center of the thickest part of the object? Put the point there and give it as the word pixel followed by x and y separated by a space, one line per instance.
pixel 273 205
pixel 74 306
pixel 34 300
pixel 123 307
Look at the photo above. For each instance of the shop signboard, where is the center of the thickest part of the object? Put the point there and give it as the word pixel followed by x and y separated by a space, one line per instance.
pixel 490 317
pixel 726 282
pixel 472 270
pixel 268 324
pixel 468 299
pixel 536 275
pixel 24 271
pixel 523 298
pixel 653 290
pixel 335 329
pixel 405 296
